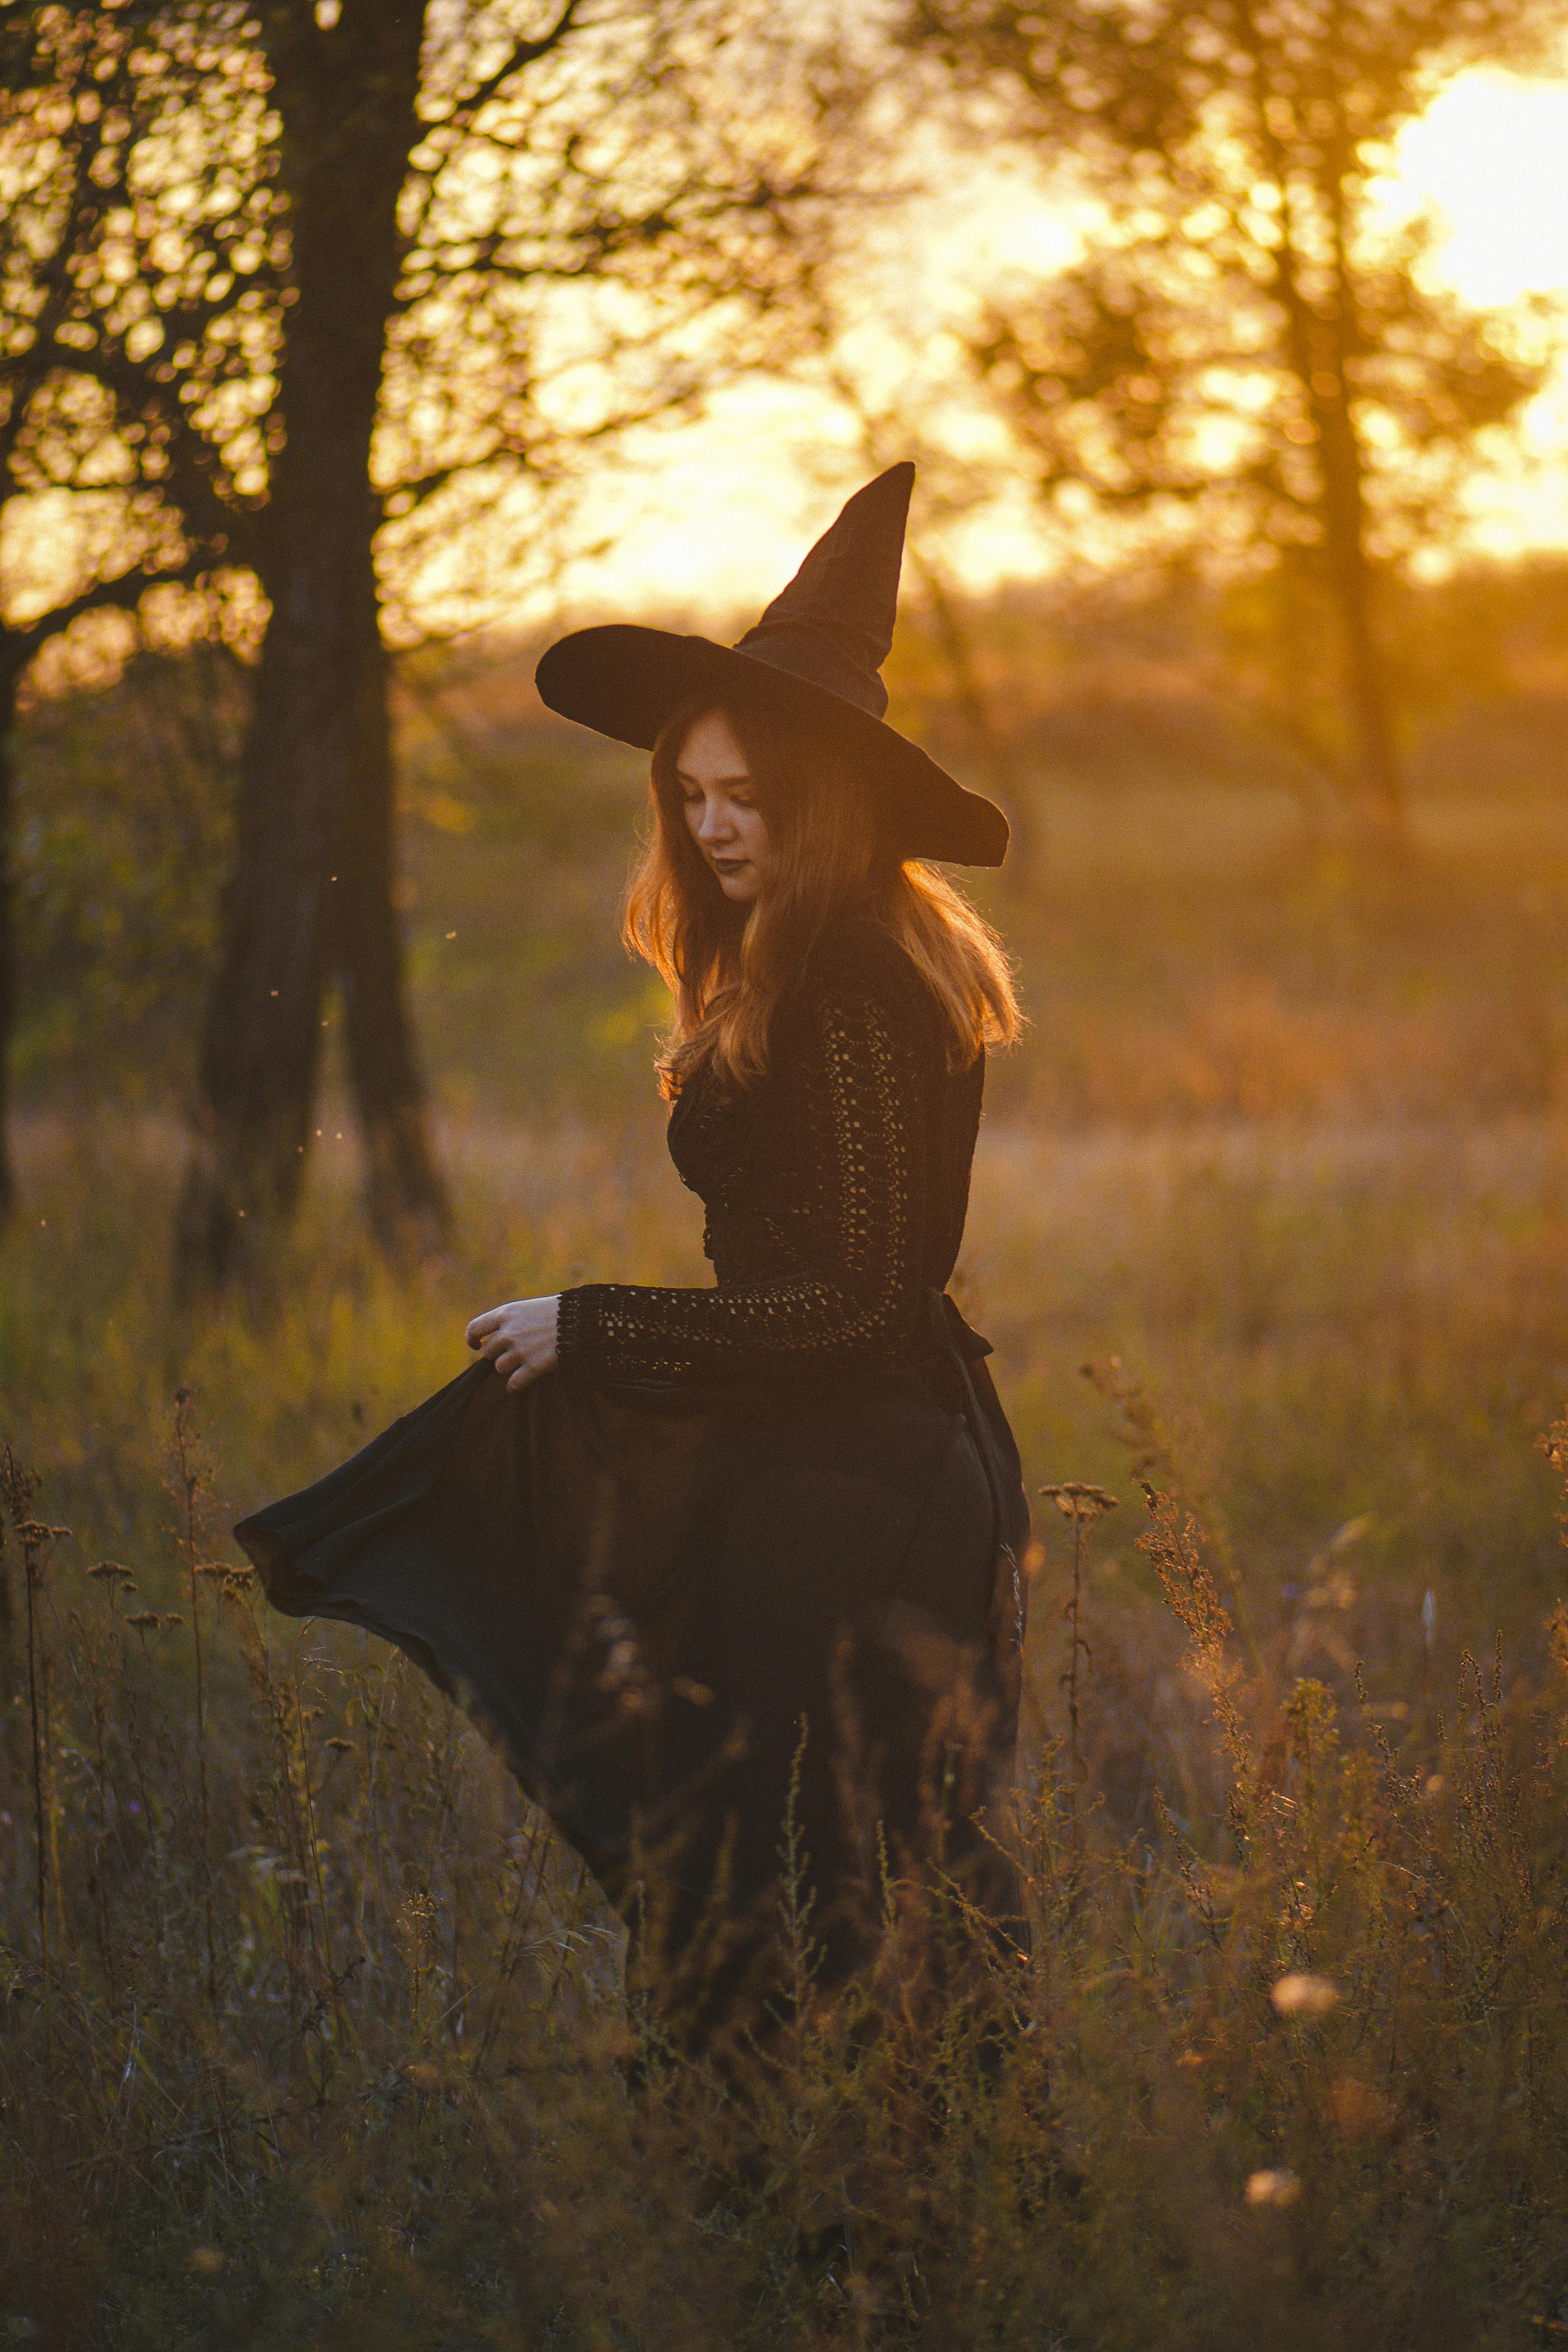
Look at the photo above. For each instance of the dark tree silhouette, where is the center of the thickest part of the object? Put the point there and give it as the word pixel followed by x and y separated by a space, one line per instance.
pixel 437 199
pixel 311 896
pixel 381 278
pixel 91 413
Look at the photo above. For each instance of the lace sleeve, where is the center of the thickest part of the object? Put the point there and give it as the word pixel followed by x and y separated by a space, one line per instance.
pixel 857 1089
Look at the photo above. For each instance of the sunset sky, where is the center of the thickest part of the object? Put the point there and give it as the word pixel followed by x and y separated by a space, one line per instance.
pixel 717 515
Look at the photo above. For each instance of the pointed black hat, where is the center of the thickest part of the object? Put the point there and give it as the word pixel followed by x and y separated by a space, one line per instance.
pixel 816 652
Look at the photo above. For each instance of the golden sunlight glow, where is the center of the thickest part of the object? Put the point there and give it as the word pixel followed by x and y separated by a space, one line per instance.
pixel 718 514
pixel 710 518
pixel 1491 155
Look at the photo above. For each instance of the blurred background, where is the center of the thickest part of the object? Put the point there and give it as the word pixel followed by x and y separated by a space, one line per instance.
pixel 350 350
pixel 353 352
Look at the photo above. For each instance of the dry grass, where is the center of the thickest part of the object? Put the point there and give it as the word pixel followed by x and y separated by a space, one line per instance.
pixel 311 2036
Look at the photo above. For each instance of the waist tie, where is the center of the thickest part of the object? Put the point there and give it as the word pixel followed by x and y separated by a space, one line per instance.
pixel 959 1345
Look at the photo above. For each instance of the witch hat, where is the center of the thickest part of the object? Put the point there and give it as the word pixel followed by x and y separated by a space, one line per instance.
pixel 816 652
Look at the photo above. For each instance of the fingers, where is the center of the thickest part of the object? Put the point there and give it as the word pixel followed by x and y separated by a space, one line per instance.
pixel 517 1354
pixel 507 1356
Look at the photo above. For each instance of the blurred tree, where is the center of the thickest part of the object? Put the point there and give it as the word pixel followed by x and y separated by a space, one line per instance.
pixel 1249 359
pixel 92 428
pixel 397 272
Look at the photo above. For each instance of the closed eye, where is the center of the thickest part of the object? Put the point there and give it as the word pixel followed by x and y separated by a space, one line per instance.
pixel 727 787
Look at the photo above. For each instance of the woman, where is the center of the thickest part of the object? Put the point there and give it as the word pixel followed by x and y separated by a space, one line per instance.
pixel 730 1571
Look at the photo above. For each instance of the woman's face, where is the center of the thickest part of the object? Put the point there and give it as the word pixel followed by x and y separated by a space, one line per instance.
pixel 721 816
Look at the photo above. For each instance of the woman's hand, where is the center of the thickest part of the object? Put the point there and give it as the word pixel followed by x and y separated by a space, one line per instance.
pixel 519 1338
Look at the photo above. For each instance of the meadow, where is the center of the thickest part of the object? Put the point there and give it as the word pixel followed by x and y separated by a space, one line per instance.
pixel 311 2036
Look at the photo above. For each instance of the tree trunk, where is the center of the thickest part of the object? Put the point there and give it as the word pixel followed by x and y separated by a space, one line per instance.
pixel 10 679
pixel 1342 473
pixel 1319 357
pixel 310 892
pixel 405 1199
pixel 1380 788
pixel 1321 345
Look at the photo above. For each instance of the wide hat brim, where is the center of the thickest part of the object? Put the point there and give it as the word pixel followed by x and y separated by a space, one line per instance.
pixel 626 681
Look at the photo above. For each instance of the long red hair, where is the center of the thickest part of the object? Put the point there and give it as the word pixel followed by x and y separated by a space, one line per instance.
pixel 726 965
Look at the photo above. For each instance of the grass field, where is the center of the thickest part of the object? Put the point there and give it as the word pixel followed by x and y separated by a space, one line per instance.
pixel 310 2038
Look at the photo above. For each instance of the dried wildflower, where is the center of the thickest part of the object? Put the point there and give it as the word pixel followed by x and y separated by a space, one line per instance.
pixel 1082 1506
pixel 143 1619
pixel 1278 2186
pixel 1194 1600
pixel 1303 1995
pixel 1557 1635
pixel 206 2261
pixel 1075 1500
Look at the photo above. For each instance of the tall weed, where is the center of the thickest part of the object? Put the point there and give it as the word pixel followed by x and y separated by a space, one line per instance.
pixel 311 2032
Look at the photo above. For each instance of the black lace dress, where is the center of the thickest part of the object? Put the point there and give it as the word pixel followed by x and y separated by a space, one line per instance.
pixel 742 1570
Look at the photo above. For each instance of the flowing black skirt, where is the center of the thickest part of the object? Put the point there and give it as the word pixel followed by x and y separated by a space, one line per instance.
pixel 753 1646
